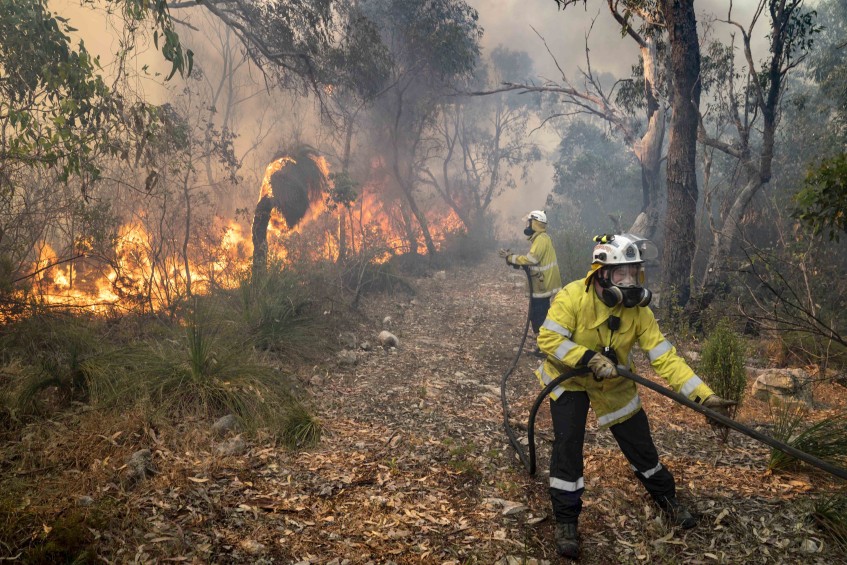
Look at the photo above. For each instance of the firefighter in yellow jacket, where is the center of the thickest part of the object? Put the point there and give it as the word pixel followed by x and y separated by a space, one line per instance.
pixel 543 267
pixel 593 323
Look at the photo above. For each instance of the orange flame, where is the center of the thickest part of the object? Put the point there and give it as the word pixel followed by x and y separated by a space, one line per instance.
pixel 135 276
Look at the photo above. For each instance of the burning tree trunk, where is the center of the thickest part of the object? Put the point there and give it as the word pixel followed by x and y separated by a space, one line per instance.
pixel 291 185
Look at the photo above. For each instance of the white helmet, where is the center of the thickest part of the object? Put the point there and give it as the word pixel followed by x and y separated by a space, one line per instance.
pixel 622 249
pixel 617 264
pixel 538 215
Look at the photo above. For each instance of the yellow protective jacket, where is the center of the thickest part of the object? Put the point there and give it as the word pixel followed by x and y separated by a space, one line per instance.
pixel 541 259
pixel 577 322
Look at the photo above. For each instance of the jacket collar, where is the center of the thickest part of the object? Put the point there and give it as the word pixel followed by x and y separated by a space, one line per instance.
pixel 596 312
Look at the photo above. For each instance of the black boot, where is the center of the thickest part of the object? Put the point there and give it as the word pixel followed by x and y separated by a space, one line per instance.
pixel 678 514
pixel 567 543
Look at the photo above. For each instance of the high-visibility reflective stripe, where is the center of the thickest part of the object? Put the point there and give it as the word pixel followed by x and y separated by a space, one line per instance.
pixel 555 327
pixel 563 349
pixel 541 268
pixel 631 407
pixel 546 294
pixel 531 258
pixel 659 350
pixel 690 385
pixel 570 486
pixel 546 379
pixel 650 472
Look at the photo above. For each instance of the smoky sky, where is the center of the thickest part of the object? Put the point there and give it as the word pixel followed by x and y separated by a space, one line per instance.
pixel 536 26
pixel 520 25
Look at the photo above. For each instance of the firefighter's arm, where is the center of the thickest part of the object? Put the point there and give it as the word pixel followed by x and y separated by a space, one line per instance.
pixel 554 337
pixel 667 363
pixel 530 258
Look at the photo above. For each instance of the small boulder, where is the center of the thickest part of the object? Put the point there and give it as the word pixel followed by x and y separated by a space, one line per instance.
pixel 348 340
pixel 365 346
pixel 784 384
pixel 386 323
pixel 347 357
pixel 440 275
pixel 233 446
pixel 252 547
pixel 139 466
pixel 225 424
pixel 388 339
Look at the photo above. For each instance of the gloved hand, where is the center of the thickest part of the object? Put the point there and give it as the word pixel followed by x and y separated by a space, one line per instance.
pixel 602 367
pixel 719 405
pixel 504 253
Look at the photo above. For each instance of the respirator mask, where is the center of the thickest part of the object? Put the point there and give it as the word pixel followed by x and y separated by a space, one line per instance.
pixel 621 284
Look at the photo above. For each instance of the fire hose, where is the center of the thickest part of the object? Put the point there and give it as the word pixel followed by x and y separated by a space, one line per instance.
pixel 513 438
pixel 528 460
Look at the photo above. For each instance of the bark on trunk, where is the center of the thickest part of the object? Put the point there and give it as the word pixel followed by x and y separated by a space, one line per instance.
pixel 679 234
pixel 648 150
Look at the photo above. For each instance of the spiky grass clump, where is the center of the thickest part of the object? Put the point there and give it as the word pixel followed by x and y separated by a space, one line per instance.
pixel 276 310
pixel 826 439
pixel 830 514
pixel 300 428
pixel 207 374
pixel 722 363
pixel 63 357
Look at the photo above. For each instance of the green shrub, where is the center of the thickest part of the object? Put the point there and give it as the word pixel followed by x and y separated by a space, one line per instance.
pixel 826 439
pixel 722 362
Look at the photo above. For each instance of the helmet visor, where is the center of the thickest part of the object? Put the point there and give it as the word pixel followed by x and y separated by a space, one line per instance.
pixel 627 275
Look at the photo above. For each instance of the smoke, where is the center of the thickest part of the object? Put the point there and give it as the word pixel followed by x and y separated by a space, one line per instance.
pixel 557 41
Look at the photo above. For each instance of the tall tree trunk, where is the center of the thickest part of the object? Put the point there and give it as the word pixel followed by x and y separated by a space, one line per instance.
pixel 187 236
pixel 724 237
pixel 407 182
pixel 648 150
pixel 678 249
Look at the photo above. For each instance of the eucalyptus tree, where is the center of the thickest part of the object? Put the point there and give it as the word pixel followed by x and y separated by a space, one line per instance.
pixel 634 108
pixel 484 141
pixel 430 45
pixel 822 200
pixel 594 178
pixel 748 111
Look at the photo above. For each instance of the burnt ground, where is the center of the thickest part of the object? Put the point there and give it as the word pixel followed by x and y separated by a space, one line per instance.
pixel 414 465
